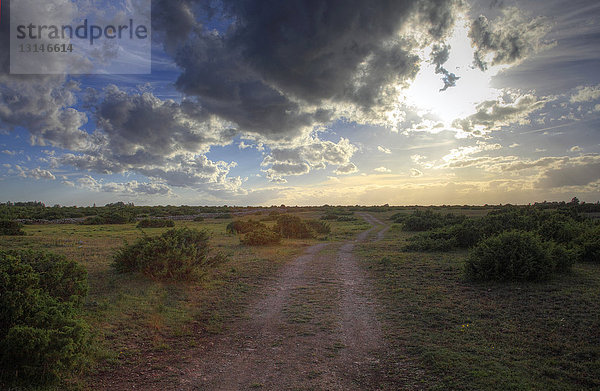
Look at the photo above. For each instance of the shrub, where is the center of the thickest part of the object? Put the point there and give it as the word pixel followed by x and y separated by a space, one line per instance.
pixel 8 227
pixel 179 254
pixel 589 250
pixel 426 220
pixel 223 216
pixel 289 226
pixel 155 223
pixel 319 227
pixel 41 336
pixel 261 237
pixel 198 218
pixel 346 218
pixel 111 217
pixel 329 216
pixel 512 255
pixel 244 226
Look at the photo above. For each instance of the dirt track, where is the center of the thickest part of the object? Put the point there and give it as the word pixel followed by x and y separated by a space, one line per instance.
pixel 314 328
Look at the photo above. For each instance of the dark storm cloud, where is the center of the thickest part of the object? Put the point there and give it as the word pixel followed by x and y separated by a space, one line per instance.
pixel 143 125
pixel 508 39
pixel 279 59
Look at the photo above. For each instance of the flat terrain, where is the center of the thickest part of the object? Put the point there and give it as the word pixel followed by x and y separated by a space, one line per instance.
pixel 349 311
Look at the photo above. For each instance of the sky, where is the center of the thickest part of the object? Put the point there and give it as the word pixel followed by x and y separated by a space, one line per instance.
pixel 302 102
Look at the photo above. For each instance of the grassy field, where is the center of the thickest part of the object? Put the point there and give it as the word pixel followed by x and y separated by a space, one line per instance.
pixel 460 335
pixel 493 336
pixel 132 316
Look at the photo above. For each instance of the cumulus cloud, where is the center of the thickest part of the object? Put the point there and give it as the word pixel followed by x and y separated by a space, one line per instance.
pixel 36 173
pixel 346 169
pixel 42 105
pixel 494 114
pixel 125 188
pixel 144 127
pixel 586 94
pixel 310 154
pixel 509 39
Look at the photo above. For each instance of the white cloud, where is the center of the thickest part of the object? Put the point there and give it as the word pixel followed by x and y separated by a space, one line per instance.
pixel 382 169
pixel 414 173
pixel 384 150
pixel 36 173
pixel 585 94
pixel 346 169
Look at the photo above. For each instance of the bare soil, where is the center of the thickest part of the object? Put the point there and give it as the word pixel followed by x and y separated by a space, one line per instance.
pixel 314 327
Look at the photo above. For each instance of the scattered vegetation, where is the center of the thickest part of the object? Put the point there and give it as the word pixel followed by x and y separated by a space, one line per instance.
pixel 177 254
pixel 13 228
pixel 156 223
pixel 563 230
pixel 41 334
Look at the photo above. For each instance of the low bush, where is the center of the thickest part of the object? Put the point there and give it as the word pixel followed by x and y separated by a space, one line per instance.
pixel 589 249
pixel 426 220
pixel 329 216
pixel 244 226
pixel 514 256
pixel 41 334
pixel 346 218
pixel 177 254
pixel 319 227
pixel 198 218
pixel 463 235
pixel 8 227
pixel 223 216
pixel 156 223
pixel 111 217
pixel 261 237
pixel 289 226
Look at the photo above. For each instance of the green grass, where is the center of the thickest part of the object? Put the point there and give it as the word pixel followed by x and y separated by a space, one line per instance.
pixel 518 336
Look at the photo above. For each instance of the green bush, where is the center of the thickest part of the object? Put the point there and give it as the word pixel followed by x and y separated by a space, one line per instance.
pixel 329 216
pixel 589 250
pixel 346 218
pixel 513 256
pixel 289 226
pixel 177 254
pixel 198 218
pixel 244 226
pixel 319 227
pixel 223 216
pixel 156 223
pixel 111 217
pixel 41 336
pixel 261 237
pixel 8 227
pixel 426 220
